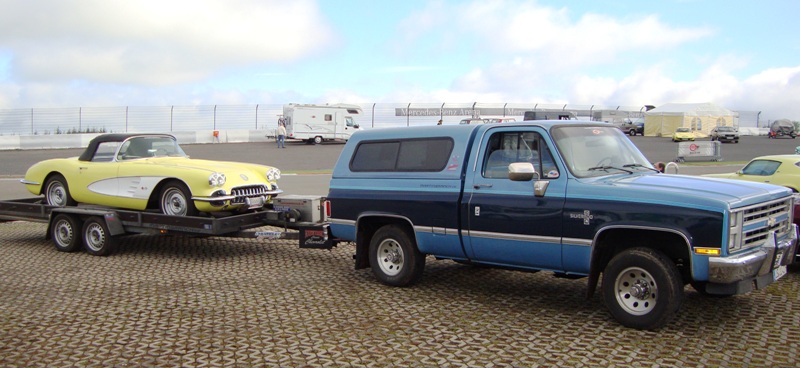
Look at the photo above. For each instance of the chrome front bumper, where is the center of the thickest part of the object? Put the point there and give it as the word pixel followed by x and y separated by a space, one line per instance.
pixel 738 273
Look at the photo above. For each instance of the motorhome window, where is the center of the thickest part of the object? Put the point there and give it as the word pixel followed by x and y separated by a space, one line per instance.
pixel 352 111
pixel 412 155
pixel 328 117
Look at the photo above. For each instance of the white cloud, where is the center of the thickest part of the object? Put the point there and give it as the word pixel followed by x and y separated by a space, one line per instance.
pixel 154 42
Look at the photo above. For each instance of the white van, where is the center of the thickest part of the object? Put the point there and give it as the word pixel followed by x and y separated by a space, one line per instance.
pixel 317 123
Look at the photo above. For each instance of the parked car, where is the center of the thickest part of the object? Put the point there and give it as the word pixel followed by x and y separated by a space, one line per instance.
pixel 682 134
pixel 472 121
pixel 501 120
pixel 782 128
pixel 151 171
pixel 632 127
pixel 724 133
pixel 783 170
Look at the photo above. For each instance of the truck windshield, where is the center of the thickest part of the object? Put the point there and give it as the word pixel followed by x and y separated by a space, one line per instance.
pixel 598 150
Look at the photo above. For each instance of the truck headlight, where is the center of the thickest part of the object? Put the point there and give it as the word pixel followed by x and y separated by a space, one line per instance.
pixel 273 174
pixel 216 179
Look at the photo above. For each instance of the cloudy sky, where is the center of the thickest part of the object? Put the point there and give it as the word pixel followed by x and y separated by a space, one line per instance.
pixel 743 55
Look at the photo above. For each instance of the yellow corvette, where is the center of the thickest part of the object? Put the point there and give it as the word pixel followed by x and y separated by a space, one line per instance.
pixel 151 172
pixel 783 170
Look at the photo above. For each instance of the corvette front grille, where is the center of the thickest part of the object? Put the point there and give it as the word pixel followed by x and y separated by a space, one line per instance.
pixel 248 191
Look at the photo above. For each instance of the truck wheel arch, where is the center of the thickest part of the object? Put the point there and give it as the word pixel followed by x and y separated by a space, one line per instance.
pixel 612 240
pixel 366 226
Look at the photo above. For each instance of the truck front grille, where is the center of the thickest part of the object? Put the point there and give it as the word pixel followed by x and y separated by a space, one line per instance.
pixel 759 220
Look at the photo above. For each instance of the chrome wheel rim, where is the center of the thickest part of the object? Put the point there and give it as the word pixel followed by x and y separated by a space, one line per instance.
pixel 636 291
pixel 56 194
pixel 390 257
pixel 174 203
pixel 64 233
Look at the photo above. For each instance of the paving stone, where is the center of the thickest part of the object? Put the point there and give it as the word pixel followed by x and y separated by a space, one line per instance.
pixel 212 302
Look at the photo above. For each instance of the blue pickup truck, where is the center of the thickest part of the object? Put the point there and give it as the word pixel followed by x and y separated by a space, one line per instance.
pixel 576 198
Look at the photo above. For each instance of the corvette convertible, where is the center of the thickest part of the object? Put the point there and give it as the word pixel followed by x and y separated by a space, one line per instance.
pixel 151 172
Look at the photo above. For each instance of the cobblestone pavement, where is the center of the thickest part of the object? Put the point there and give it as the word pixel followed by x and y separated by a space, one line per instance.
pixel 208 302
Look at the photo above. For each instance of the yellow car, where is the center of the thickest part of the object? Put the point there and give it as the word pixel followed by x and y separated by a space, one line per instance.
pixel 780 170
pixel 682 134
pixel 151 172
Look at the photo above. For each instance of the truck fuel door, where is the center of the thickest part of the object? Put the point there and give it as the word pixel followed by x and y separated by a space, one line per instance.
pixel 524 171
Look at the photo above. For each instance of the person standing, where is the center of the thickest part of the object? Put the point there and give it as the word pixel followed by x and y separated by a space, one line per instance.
pixel 281 136
pixel 440 122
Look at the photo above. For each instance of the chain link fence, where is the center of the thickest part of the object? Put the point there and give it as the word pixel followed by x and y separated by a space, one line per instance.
pixel 124 119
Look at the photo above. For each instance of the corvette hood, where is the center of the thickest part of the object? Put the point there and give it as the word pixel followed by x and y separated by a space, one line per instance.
pixel 226 167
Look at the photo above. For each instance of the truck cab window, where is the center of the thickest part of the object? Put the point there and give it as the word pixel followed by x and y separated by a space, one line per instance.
pixel 504 148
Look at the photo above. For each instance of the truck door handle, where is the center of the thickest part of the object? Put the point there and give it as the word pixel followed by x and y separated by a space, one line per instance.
pixel 479 186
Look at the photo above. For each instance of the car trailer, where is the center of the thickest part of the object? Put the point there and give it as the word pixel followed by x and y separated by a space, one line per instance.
pixel 97 228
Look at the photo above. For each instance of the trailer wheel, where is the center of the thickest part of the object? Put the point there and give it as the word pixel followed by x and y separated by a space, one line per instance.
pixel 96 239
pixel 56 192
pixel 642 288
pixel 394 258
pixel 317 140
pixel 65 232
pixel 176 200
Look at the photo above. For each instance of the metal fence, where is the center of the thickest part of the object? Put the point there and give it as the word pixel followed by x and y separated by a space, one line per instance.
pixel 123 119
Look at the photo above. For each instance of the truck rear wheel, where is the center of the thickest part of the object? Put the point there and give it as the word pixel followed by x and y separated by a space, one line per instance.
pixel 65 232
pixel 394 258
pixel 96 239
pixel 642 288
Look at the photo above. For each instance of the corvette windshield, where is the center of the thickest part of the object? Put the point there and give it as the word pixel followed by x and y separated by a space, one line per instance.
pixel 596 151
pixel 142 147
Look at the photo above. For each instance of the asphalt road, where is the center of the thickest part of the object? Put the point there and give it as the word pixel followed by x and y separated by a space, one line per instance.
pixel 307 168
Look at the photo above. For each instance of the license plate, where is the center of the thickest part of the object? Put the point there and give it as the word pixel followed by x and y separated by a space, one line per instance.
pixel 778 273
pixel 255 202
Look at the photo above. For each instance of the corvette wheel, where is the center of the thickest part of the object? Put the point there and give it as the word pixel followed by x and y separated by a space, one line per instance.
pixel 176 200
pixel 56 192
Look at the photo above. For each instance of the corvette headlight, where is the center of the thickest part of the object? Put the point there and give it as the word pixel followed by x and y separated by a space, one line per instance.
pixel 216 179
pixel 273 174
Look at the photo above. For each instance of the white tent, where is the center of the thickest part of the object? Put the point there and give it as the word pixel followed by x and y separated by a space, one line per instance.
pixel 699 117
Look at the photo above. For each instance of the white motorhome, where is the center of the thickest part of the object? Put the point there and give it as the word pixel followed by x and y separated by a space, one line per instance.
pixel 316 123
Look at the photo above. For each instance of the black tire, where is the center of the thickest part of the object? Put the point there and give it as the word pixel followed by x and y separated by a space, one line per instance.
pixel 175 199
pixel 65 232
pixel 97 241
pixel 394 257
pixel 317 140
pixel 56 192
pixel 632 132
pixel 642 288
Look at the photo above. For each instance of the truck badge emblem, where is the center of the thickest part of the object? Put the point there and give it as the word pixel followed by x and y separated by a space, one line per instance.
pixel 586 216
pixel 772 221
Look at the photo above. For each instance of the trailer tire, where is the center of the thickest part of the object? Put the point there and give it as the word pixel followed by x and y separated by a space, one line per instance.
pixel 97 240
pixel 642 288
pixel 65 232
pixel 56 192
pixel 176 199
pixel 394 258
pixel 317 140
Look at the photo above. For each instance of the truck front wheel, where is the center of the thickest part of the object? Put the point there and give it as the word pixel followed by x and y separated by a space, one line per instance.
pixel 642 288
pixel 394 258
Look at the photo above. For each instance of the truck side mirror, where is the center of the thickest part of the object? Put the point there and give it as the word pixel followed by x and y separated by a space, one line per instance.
pixel 521 171
pixel 524 171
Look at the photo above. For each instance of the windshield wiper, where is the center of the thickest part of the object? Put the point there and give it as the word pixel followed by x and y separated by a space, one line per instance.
pixel 606 168
pixel 640 166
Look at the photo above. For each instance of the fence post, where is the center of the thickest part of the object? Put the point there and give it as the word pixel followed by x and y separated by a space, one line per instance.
pixel 256 116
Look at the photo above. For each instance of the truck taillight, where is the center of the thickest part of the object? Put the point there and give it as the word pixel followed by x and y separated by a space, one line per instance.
pixel 327 209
